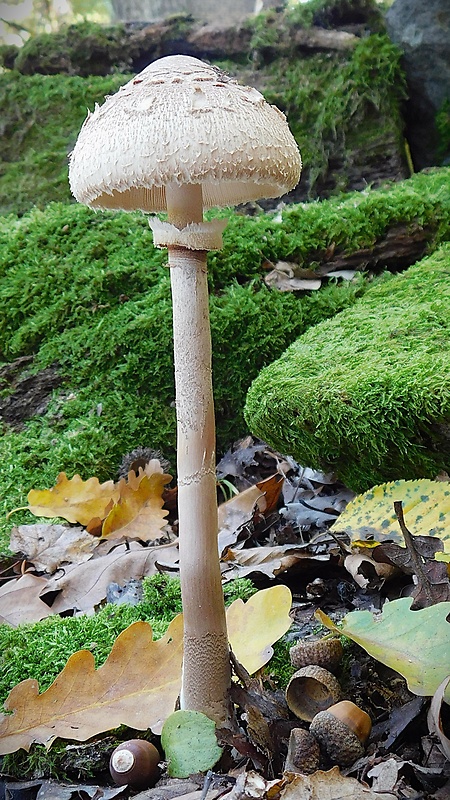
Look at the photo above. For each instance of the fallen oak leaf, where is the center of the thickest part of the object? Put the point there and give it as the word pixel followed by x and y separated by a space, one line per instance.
pixel 414 643
pixel 74 500
pixel 321 785
pixel 47 546
pixel 84 586
pixel 20 601
pixel 137 686
pixel 370 518
pixel 138 513
pixel 271 561
pixel 246 507
pixel 417 558
pixel 330 785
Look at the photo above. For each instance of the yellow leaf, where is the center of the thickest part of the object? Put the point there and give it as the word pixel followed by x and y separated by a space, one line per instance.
pixel 74 500
pixel 137 686
pixel 254 626
pixel 139 513
pixel 370 518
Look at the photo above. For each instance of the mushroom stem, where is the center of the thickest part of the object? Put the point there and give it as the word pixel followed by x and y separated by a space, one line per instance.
pixel 206 663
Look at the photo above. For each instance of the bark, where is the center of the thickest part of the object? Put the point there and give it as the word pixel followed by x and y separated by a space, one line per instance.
pixel 401 247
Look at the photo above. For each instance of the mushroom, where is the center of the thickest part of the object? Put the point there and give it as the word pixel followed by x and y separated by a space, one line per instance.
pixel 179 137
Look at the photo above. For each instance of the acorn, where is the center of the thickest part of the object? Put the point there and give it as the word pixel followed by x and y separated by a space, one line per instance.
pixel 342 732
pixel 326 653
pixel 303 753
pixel 310 690
pixel 135 763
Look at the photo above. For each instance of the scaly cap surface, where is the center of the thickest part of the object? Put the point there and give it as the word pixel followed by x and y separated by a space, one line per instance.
pixel 181 121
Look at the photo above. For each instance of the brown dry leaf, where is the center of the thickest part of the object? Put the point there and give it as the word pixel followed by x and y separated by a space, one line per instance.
pixel 74 500
pixel 47 546
pixel 330 785
pixel 261 498
pixel 137 686
pixel 270 561
pixel 20 601
pixel 289 277
pixel 139 513
pixel 84 586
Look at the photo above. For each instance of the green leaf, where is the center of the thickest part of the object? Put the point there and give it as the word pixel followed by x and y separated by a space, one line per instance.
pixel 414 643
pixel 370 518
pixel 189 742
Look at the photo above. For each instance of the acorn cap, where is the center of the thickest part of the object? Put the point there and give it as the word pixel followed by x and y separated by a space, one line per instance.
pixel 303 753
pixel 181 121
pixel 310 690
pixel 342 731
pixel 326 653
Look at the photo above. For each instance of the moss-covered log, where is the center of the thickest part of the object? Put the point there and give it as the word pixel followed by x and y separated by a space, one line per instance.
pixel 367 394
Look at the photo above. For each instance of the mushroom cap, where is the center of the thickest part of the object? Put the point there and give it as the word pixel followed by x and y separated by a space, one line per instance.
pixel 181 121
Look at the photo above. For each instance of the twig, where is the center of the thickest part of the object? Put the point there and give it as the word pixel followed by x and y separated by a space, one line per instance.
pixel 410 546
pixel 206 784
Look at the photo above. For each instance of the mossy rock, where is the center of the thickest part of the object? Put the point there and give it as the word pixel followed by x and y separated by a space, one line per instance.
pixel 88 296
pixel 367 394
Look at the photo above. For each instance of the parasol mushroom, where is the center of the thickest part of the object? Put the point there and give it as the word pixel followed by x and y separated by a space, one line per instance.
pixel 180 137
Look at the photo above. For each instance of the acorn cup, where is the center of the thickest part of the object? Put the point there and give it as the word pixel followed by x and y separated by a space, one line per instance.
pixel 326 653
pixel 310 690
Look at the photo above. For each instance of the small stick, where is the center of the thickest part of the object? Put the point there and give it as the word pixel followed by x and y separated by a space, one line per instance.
pixel 410 546
pixel 206 784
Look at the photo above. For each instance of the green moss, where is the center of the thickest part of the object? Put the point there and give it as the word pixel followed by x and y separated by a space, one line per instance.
pixel 337 13
pixel 266 30
pixel 342 106
pixel 367 393
pixel 41 116
pixel 40 650
pixel 270 27
pixel 443 129
pixel 85 49
pixel 355 221
pixel 37 763
pixel 279 667
pixel 89 292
